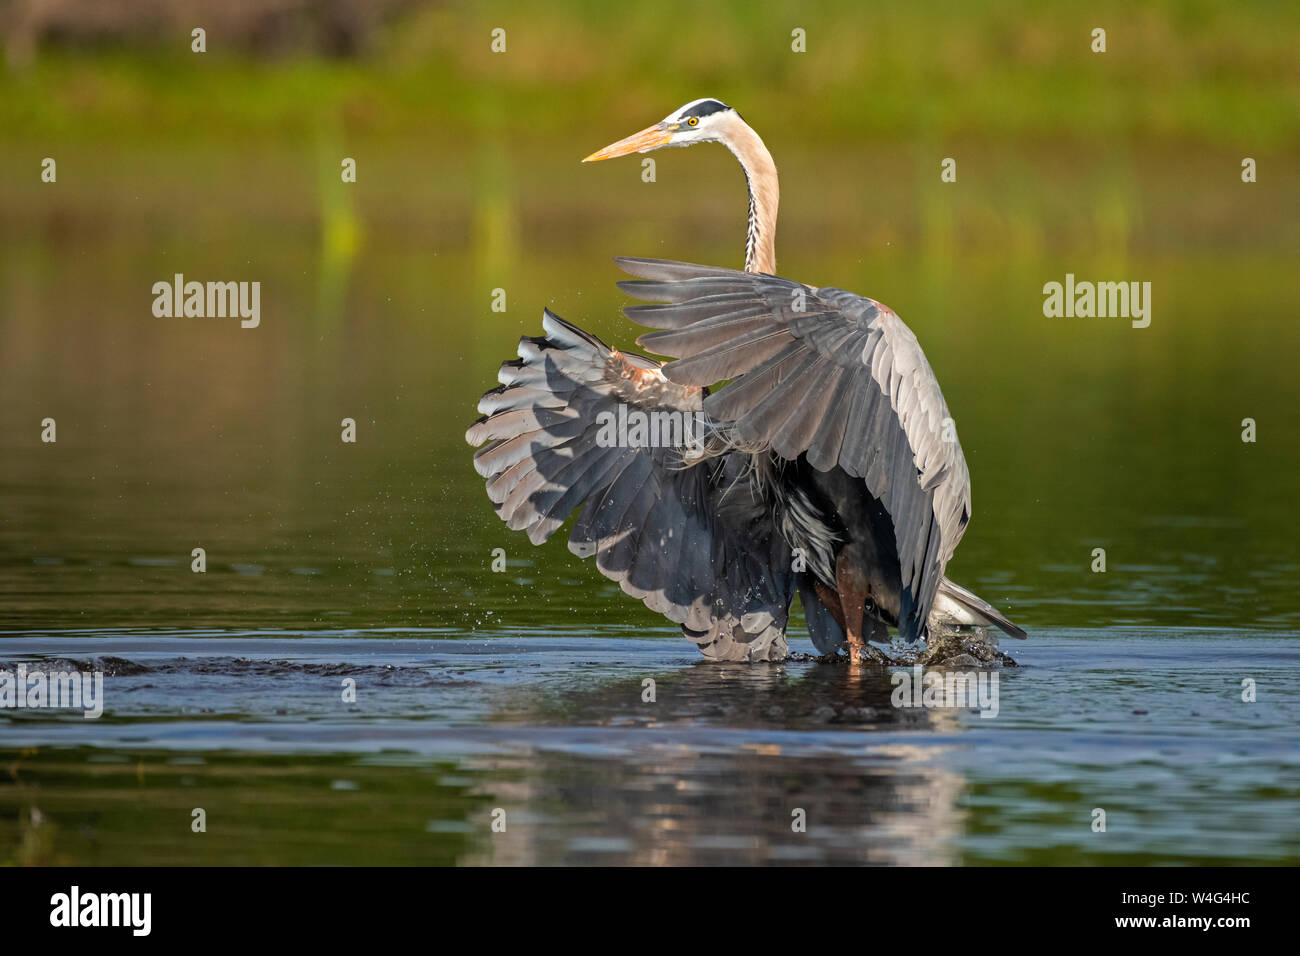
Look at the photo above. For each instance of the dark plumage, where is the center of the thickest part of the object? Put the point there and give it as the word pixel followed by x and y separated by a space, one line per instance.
pixel 691 542
pixel 704 108
pixel 814 446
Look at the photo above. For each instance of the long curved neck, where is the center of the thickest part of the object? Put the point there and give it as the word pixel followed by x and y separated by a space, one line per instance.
pixel 764 196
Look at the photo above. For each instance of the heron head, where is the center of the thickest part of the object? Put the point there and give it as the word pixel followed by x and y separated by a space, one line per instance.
pixel 699 121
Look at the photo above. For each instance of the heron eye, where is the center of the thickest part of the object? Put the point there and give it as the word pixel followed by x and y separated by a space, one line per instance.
pixel 693 121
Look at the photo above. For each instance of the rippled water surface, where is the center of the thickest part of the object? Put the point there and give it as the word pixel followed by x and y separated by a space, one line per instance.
pixel 552 729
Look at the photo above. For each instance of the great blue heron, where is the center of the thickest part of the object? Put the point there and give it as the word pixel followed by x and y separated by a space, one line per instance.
pixel 829 464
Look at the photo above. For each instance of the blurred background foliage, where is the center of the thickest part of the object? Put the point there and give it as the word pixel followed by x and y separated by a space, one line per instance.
pixel 1173 71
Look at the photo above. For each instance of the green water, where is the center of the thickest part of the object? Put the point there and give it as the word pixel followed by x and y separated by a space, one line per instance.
pixel 182 433
pixel 549 731
pixel 376 305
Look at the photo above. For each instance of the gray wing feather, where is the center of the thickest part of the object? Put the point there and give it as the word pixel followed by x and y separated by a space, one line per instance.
pixel 673 534
pixel 826 373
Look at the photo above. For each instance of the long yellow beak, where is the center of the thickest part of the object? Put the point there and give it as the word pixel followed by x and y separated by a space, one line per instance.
pixel 652 137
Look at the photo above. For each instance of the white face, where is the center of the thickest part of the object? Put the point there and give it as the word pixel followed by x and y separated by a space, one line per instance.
pixel 699 121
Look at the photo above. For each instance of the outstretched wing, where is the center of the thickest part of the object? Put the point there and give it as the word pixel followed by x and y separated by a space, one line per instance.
pixel 687 539
pixel 823 373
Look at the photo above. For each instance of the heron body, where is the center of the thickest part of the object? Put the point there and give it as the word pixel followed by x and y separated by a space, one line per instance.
pixel 831 466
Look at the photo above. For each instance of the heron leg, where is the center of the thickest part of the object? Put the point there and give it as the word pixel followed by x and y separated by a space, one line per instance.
pixel 852 587
pixel 832 602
